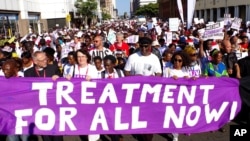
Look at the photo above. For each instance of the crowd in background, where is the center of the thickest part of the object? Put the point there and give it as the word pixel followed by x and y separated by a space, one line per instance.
pixel 88 54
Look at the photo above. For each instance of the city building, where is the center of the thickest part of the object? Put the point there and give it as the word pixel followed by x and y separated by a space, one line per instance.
pixel 138 3
pixel 169 9
pixel 19 17
pixel 109 6
pixel 25 16
pixel 214 10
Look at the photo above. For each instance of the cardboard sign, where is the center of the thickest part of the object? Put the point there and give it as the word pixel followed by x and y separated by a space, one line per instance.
pixel 174 24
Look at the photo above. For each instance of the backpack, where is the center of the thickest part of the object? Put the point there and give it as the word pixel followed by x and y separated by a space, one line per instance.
pixel 117 70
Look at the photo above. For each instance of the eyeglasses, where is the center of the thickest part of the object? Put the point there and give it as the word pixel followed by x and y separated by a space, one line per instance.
pixel 144 45
pixel 178 60
pixel 195 54
pixel 96 41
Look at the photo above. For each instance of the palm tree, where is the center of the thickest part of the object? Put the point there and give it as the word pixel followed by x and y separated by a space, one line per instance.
pixel 87 9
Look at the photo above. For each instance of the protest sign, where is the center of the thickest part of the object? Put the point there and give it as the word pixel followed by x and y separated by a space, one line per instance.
pixel 111 36
pixel 169 37
pixel 127 105
pixel 236 23
pixel 150 25
pixel 227 19
pixel 174 24
pixel 214 31
pixel 132 39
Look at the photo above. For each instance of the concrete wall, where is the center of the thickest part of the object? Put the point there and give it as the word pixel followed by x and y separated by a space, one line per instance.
pixel 208 4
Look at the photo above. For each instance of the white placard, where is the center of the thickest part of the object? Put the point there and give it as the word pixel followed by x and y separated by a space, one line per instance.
pixel 133 39
pixel 174 24
pixel 236 23
pixel 214 31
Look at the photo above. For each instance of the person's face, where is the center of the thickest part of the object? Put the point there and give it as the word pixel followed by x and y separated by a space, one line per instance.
pixel 108 65
pixel 228 47
pixel 87 41
pixel 71 59
pixel 167 57
pixel 178 62
pixel 245 40
pixel 209 45
pixel 25 60
pixel 98 64
pixel 119 39
pixel 193 56
pixel 145 49
pixel 235 39
pixel 41 60
pixel 121 62
pixel 218 58
pixel 172 49
pixel 9 70
pixel 97 42
pixel 81 58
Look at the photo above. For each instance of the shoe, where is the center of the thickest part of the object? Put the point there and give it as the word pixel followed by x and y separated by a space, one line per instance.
pixel 175 139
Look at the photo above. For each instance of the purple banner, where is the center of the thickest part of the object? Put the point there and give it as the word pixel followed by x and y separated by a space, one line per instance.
pixel 116 106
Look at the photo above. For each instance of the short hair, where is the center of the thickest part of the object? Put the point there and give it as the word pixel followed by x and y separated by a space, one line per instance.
pixel 145 40
pixel 85 52
pixel 26 54
pixel 35 54
pixel 49 51
pixel 10 62
pixel 97 58
pixel 71 53
pixel 119 34
pixel 42 42
pixel 111 58
pixel 171 45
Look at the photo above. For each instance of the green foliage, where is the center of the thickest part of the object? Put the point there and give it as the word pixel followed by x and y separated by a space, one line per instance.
pixel 86 9
pixel 149 10
pixel 106 16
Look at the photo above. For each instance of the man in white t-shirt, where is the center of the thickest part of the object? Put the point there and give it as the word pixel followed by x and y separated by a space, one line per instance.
pixel 143 62
pixel 99 49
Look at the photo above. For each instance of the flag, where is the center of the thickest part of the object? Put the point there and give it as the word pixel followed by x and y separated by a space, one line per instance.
pixel 180 8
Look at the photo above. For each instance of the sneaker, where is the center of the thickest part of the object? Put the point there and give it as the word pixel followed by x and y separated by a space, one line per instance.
pixel 175 139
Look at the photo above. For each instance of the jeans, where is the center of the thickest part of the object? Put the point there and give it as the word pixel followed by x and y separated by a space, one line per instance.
pixel 17 137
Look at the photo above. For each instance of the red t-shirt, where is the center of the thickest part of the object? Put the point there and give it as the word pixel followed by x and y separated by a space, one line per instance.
pixel 124 47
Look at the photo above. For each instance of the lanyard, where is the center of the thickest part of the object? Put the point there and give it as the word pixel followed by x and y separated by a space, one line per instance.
pixel 38 74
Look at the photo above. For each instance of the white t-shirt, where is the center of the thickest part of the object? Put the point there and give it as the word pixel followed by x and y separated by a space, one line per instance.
pixel 138 64
pixel 99 73
pixel 89 70
pixel 102 53
pixel 174 72
pixel 194 70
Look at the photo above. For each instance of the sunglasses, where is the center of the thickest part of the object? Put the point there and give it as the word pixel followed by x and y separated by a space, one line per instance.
pixel 178 60
pixel 144 45
pixel 195 54
pixel 96 41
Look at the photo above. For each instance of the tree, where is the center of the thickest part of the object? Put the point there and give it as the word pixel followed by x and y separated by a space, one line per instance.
pixel 87 9
pixel 149 10
pixel 106 16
